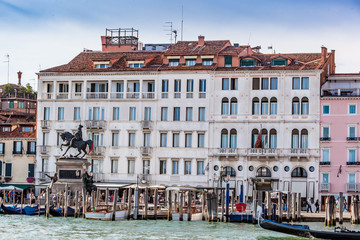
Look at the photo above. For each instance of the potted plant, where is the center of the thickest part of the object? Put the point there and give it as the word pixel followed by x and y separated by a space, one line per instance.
pixel 30 179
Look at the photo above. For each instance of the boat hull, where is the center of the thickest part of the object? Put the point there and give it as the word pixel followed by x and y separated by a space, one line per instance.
pixel 107 216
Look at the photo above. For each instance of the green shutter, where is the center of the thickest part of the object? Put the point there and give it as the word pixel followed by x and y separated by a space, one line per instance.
pixel 228 60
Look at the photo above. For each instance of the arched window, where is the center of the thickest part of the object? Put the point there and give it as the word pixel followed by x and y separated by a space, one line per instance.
pixel 304 138
pixel 295 106
pixel 254 136
pixel 224 138
pixel 263 172
pixel 264 138
pixel 225 106
pixel 273 138
pixel 229 171
pixel 295 138
pixel 233 138
pixel 273 106
pixel 264 106
pixel 304 106
pixel 233 106
pixel 255 106
pixel 299 172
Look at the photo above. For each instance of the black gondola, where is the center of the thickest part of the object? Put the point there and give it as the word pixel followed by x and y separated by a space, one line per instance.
pixel 59 212
pixel 305 231
pixel 10 210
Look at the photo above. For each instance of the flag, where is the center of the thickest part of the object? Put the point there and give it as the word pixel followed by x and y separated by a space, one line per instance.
pixel 258 143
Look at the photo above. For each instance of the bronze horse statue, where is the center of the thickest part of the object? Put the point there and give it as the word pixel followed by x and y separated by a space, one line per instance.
pixel 80 145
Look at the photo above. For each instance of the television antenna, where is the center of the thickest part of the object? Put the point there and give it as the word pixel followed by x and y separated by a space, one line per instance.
pixel 8 62
pixel 169 28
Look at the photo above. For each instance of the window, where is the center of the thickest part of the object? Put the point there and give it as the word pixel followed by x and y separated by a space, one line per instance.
pixel 255 107
pixel 131 139
pixel 295 106
pixel 176 139
pixel 31 170
pixel 325 109
pixel 147 139
pixel 114 166
pixel 17 147
pixel 176 113
pixel 264 106
pixel 94 113
pixel 234 84
pixel 77 89
pixel 325 178
pixel 8 170
pixel 207 61
pixel 190 62
pixel 295 139
pixel 224 138
pixel 27 129
pixel 304 83
pixel 233 138
pixel 132 115
pixel 131 166
pixel 325 155
pixel 76 113
pixel 202 85
pixel 228 61
pixel 189 114
pixel 352 109
pixel 247 62
pixel 188 140
pixel 201 140
pixel 2 148
pixel 163 139
pixel 201 114
pixel 165 86
pixel 162 166
pixel 20 105
pixel 135 65
pixel 325 132
pixel 175 167
pixel 11 104
pixel 264 83
pixel 279 62
pixel 263 172
pixel 304 106
pixel 229 171
pixel 225 84
pixel 187 168
pixel 304 139
pixel 115 139
pixel 225 106
pixel 60 113
pixel 189 85
pixel 116 113
pixel 296 83
pixel 177 86
pixel 46 113
pixel 146 166
pixel 233 106
pixel 299 172
pixel 147 114
pixel 273 83
pixel 164 114
pixel 200 168
pixel 351 155
pixel 255 83
pixel 352 133
pixel 273 106
pixel 273 138
pixel 173 62
pixel 31 148
pixel 101 65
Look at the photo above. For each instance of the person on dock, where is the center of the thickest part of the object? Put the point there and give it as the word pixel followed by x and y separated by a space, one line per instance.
pixel 317 206
pixel 308 205
pixel 345 209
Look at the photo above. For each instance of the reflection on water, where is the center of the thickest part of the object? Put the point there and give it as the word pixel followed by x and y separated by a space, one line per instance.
pixel 34 227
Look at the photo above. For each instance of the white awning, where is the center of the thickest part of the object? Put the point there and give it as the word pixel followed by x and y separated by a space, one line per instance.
pixel 110 185
pixel 299 187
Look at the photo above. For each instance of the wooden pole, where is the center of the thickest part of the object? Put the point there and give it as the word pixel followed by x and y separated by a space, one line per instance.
pixel 293 206
pixel 146 199
pixel 280 208
pixel 107 196
pixel 76 204
pixel 39 203
pixel 93 200
pixel 136 203
pixel 222 205
pixel 189 206
pixel 288 206
pixel 181 205
pixel 21 201
pixel 129 203
pixel 97 197
pixel 216 204
pixel 169 206
pixel 268 204
pixel 155 203
pixel 203 202
pixel 232 200
pixel 254 206
pixel 83 202
pixel 341 207
pixel 47 209
pixel 66 201
pixel 298 218
pixel 114 205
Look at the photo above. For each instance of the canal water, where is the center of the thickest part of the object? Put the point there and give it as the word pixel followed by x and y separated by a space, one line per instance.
pixel 34 227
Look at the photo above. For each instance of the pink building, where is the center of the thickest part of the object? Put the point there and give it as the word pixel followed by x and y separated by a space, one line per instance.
pixel 340 136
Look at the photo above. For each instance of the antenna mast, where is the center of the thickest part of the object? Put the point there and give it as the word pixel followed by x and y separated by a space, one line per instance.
pixel 8 62
pixel 182 21
pixel 168 28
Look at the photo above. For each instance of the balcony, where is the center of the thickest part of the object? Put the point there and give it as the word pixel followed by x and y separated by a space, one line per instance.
pixel 189 95
pixel 146 124
pixel 98 150
pixel 145 178
pixel 95 123
pixel 351 187
pixel 76 95
pixel 17 152
pixel 164 95
pixel 325 187
pixel 202 95
pixel 60 96
pixel 133 95
pixel 263 152
pixel 148 95
pixel 177 95
pixel 352 163
pixel 339 92
pixel 117 95
pixel 96 95
pixel 98 177
pixel 227 152
pixel 42 176
pixel 45 124
pixel 46 96
pixel 145 150
pixel 44 149
pixel 30 152
pixel 351 139
pixel 299 152
pixel 325 139
pixel 324 163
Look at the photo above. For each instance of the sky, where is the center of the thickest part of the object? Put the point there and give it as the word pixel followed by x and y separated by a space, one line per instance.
pixel 39 34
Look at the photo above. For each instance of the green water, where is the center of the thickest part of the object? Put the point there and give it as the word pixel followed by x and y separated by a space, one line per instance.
pixel 34 227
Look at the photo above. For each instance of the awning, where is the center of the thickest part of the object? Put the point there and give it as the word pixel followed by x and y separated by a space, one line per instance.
pixel 18 187
pixel 111 186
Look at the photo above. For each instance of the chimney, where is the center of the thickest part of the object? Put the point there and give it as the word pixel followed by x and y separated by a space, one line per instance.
pixel 323 53
pixel 201 40
pixel 19 77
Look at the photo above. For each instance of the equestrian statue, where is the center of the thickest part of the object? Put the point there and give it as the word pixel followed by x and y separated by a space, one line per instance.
pixel 71 141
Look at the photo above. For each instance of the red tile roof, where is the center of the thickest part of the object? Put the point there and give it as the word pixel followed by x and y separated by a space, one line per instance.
pixel 17 132
pixel 192 48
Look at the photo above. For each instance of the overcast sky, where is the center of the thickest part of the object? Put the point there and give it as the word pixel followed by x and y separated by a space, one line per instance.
pixel 38 34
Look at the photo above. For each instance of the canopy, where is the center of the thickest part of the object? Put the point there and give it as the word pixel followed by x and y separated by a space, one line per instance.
pixel 12 188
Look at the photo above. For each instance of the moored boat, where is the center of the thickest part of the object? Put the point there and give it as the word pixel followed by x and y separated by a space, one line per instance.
pixel 11 210
pixel 59 212
pixel 106 215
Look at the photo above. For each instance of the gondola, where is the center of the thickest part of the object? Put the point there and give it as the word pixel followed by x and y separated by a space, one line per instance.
pixel 33 210
pixel 10 210
pixel 59 212
pixel 305 231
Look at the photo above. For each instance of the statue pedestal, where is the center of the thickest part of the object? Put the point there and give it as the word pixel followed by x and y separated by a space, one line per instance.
pixel 70 171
